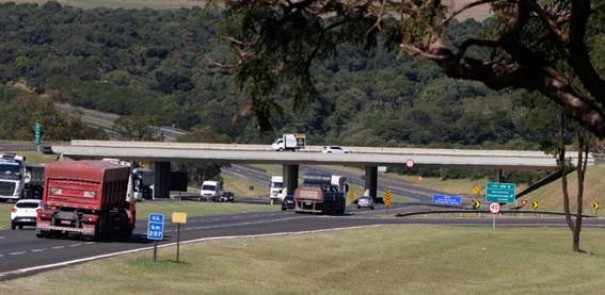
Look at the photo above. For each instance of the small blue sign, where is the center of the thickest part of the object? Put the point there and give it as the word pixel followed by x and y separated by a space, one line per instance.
pixel 155 226
pixel 447 200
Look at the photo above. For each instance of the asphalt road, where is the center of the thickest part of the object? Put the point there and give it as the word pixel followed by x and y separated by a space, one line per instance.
pixel 20 249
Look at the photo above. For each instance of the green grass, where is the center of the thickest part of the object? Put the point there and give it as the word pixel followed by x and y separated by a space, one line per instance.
pixel 376 260
pixel 5 214
pixel 195 208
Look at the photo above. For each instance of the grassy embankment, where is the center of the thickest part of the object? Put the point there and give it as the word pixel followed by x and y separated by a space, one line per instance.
pixel 549 197
pixel 377 260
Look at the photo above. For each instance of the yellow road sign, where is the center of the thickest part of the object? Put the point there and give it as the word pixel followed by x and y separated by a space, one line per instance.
pixel 535 205
pixel 351 194
pixel 595 205
pixel 179 217
pixel 476 204
pixel 476 190
pixel 387 197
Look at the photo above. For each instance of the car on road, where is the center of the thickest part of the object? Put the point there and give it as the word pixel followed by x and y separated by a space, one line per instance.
pixel 25 212
pixel 287 203
pixel 365 202
pixel 334 149
pixel 226 197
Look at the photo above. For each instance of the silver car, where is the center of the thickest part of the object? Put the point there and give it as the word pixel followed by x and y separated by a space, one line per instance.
pixel 365 202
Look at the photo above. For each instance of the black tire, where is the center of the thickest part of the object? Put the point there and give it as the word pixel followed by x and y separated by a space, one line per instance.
pixel 358 207
pixel 372 207
pixel 21 226
pixel 13 226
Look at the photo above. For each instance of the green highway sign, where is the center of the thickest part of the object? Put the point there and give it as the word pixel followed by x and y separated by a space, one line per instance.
pixel 500 192
pixel 37 133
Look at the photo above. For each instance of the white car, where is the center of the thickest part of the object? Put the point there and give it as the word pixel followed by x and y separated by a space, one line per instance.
pixel 25 213
pixel 365 202
pixel 329 149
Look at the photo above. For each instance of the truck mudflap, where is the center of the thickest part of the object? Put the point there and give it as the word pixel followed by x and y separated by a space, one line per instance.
pixel 86 231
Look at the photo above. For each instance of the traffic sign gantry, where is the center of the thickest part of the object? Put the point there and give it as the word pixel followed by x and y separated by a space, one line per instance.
pixel 500 192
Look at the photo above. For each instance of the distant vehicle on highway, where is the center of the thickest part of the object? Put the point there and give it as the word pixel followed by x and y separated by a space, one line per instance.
pixel 289 142
pixel 227 197
pixel 24 213
pixel 211 190
pixel 287 203
pixel 365 202
pixel 334 149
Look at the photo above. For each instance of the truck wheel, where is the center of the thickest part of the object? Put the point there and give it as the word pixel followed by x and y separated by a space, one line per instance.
pixel 13 226
pixel 21 226
pixel 280 149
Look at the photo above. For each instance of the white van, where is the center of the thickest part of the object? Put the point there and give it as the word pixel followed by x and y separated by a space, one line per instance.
pixel 277 190
pixel 211 190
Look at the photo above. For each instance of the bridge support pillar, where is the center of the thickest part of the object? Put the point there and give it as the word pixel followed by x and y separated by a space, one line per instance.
pixel 498 175
pixel 161 182
pixel 290 173
pixel 371 183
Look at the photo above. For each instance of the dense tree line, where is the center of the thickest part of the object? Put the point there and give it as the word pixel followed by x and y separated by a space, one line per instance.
pixel 162 66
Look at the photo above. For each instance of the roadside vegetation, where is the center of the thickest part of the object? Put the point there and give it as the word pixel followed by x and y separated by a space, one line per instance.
pixel 376 260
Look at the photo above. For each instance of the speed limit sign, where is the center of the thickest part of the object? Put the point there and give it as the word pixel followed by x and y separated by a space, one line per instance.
pixel 494 207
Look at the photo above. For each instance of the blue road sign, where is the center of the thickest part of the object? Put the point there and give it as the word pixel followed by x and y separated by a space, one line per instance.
pixel 500 192
pixel 155 226
pixel 447 200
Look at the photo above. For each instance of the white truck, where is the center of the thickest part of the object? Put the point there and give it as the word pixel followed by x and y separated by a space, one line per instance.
pixel 289 142
pixel 277 191
pixel 211 190
pixel 13 177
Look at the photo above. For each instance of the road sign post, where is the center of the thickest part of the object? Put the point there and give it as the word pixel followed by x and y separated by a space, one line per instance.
pixel 178 218
pixel 387 198
pixel 37 133
pixel 494 208
pixel 500 192
pixel 155 231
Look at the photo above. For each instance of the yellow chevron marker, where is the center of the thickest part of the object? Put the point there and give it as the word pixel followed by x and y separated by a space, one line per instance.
pixel 595 206
pixel 535 205
pixel 476 204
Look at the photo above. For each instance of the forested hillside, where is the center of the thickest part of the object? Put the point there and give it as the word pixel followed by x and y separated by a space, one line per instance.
pixel 158 65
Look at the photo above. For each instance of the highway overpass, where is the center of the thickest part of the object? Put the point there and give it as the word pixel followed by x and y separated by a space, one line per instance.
pixel 162 153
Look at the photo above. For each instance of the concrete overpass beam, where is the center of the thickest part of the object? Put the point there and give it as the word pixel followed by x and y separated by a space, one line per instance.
pixel 371 183
pixel 290 173
pixel 161 183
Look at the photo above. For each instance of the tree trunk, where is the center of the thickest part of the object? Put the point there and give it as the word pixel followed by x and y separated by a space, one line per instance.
pixel 575 224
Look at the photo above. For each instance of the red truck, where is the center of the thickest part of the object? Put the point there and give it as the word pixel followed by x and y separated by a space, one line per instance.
pixel 88 198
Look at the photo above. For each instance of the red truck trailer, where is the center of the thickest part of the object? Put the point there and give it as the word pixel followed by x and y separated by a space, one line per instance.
pixel 88 198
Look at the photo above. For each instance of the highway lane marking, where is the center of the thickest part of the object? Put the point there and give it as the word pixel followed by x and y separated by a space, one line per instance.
pixel 58 247
pixel 235 224
pixel 38 250
pixel 97 257
pixel 1 255
pixel 75 245
pixel 16 253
